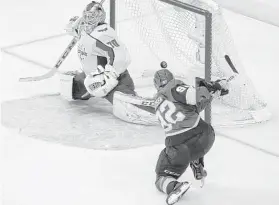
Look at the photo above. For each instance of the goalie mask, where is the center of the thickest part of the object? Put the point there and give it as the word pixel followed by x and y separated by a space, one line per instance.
pixel 162 77
pixel 93 15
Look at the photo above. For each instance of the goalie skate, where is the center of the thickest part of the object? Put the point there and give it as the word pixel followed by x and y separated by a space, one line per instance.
pixel 178 192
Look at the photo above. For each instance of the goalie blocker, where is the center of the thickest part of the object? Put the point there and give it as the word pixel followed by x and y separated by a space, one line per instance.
pixel 126 105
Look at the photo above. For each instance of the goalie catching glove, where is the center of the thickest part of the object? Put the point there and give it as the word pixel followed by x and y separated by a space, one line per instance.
pixel 101 82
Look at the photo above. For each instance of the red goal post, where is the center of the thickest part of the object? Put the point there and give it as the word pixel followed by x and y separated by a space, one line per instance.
pixel 162 28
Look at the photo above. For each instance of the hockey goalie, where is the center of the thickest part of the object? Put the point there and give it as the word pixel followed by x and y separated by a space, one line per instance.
pixel 104 59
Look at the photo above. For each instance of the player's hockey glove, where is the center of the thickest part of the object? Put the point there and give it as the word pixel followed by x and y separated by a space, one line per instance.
pixel 221 85
pixel 218 85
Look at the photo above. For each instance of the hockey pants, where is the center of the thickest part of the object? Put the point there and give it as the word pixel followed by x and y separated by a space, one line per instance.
pixel 183 148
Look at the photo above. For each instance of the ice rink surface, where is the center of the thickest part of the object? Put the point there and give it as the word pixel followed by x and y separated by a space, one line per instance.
pixel 242 166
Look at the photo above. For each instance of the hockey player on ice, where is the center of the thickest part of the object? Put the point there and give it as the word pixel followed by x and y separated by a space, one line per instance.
pixel 104 59
pixel 188 136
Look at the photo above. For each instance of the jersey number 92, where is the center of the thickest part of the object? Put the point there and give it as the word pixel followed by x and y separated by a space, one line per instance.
pixel 168 115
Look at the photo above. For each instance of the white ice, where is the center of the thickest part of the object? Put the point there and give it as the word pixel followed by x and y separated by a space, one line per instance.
pixel 38 172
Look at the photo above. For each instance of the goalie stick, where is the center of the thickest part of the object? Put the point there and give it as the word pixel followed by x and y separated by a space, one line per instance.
pixel 56 67
pixel 58 63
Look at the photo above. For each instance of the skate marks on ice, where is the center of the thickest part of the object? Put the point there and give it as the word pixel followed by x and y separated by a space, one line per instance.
pixel 88 124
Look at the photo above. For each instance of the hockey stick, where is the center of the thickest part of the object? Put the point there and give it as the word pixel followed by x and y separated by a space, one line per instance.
pixel 58 63
pixel 230 63
pixel 56 66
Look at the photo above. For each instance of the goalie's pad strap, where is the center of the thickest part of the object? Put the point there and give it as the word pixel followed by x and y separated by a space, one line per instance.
pixel 128 112
pixel 136 100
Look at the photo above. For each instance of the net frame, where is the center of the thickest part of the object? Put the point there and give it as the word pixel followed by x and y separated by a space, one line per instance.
pixel 248 114
pixel 208 43
pixel 208 38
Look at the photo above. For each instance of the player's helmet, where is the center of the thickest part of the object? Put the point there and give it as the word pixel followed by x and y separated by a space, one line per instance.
pixel 162 77
pixel 93 15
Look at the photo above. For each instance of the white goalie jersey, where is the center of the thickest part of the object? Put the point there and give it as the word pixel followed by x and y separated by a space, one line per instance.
pixel 102 43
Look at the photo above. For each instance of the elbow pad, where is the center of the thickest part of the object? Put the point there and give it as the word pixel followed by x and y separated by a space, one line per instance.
pixel 191 98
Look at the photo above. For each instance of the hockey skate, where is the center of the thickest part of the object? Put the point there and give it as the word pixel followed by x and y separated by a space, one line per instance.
pixel 179 190
pixel 199 172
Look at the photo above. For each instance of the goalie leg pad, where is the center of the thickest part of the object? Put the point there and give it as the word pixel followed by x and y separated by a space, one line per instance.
pixel 125 85
pixel 66 85
pixel 129 112
pixel 78 87
pixel 71 86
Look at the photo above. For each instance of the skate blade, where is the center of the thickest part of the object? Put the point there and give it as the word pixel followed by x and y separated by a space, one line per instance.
pixel 174 197
pixel 202 182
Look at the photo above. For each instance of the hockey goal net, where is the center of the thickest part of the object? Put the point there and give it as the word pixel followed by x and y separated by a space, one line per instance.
pixel 155 31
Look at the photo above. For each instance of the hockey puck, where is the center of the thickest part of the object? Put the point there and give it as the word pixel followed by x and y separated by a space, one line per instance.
pixel 163 64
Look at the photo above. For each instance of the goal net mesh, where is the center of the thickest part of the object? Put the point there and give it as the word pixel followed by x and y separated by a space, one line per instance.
pixel 154 31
